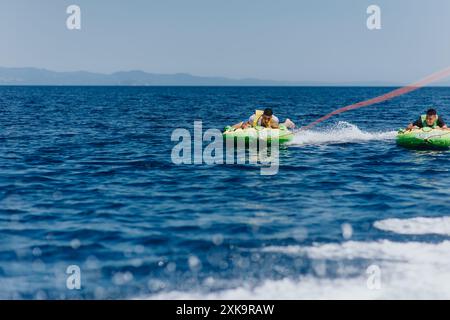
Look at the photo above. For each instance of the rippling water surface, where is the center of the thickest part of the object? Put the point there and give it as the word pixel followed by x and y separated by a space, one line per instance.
pixel 86 179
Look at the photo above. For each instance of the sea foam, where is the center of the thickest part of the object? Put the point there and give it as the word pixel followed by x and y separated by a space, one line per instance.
pixel 419 225
pixel 408 270
pixel 342 132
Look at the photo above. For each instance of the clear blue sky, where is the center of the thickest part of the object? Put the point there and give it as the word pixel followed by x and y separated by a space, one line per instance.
pixel 317 40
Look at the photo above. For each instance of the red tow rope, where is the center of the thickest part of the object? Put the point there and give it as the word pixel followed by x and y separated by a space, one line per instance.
pixel 395 93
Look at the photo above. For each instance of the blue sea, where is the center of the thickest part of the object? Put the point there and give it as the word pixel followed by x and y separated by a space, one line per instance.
pixel 87 180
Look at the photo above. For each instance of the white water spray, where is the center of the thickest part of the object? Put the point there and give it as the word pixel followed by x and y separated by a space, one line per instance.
pixel 342 132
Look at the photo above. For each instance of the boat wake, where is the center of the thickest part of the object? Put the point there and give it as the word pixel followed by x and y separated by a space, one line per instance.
pixel 416 226
pixel 342 132
pixel 406 270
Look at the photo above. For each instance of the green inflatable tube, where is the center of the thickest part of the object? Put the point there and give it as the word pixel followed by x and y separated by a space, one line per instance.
pixel 282 135
pixel 425 138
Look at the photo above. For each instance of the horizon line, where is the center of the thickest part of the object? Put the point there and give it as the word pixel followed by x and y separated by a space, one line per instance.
pixel 270 82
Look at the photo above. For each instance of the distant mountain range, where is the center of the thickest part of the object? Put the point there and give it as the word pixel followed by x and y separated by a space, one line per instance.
pixel 35 76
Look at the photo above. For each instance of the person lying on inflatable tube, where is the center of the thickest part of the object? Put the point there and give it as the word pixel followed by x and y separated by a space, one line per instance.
pixel 428 120
pixel 264 119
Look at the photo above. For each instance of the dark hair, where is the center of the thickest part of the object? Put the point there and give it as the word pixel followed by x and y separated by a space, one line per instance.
pixel 268 112
pixel 431 112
